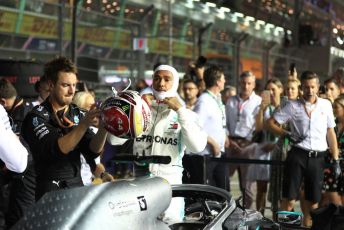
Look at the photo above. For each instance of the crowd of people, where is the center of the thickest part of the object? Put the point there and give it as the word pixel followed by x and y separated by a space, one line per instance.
pixel 59 141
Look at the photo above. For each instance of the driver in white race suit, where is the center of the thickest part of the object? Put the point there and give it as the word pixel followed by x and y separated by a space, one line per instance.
pixel 174 129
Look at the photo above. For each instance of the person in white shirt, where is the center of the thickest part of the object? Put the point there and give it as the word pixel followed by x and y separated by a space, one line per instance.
pixel 191 91
pixel 241 111
pixel 12 152
pixel 211 112
pixel 312 125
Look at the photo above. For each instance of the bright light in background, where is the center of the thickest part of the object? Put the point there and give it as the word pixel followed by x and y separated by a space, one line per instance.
pixel 225 9
pixel 112 79
pixel 221 12
pixel 278 30
pixel 239 15
pixel 205 9
pixel 335 30
pixel 234 18
pixel 268 27
pixel 337 52
pixel 210 4
pixel 340 40
pixel 189 4
pixel 247 20
pixel 258 24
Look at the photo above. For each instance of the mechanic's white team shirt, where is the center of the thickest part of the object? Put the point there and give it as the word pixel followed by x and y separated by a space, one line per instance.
pixel 241 115
pixel 211 113
pixel 169 135
pixel 12 152
pixel 313 125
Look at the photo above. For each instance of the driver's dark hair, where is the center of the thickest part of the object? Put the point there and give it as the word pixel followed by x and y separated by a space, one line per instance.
pixel 59 64
pixel 212 75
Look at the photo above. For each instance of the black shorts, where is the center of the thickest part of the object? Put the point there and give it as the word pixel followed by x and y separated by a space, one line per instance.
pixel 298 168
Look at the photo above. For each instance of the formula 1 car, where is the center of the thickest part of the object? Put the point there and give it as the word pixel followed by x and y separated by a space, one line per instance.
pixel 137 204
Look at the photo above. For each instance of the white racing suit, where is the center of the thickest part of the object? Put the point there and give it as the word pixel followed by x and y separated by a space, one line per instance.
pixel 169 135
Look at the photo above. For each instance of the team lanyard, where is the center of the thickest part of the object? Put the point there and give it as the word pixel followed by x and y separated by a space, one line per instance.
pixel 240 107
pixel 62 121
pixel 221 107
pixel 309 111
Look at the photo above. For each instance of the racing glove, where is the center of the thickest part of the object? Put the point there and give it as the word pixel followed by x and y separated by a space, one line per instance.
pixel 294 138
pixel 337 171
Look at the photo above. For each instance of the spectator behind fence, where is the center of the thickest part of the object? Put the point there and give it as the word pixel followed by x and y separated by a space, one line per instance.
pixel 261 172
pixel 241 111
pixel 228 92
pixel 332 89
pixel 293 90
pixel 211 112
pixel 190 93
pixel 43 90
pixel 57 131
pixel 140 85
pixel 333 187
pixel 196 70
pixel 312 129
pixel 338 76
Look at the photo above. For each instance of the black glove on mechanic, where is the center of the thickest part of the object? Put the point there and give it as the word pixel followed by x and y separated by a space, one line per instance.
pixel 294 138
pixel 337 171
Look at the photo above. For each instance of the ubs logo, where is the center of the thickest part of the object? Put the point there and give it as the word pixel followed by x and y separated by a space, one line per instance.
pixel 142 203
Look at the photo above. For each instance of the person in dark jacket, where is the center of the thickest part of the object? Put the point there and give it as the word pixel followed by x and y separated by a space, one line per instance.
pixel 57 131
pixel 21 185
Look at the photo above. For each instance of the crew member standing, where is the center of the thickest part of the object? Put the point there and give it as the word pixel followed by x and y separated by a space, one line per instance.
pixel 57 131
pixel 312 125
pixel 21 185
pixel 13 156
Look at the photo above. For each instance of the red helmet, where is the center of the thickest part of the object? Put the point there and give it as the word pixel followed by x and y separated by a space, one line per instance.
pixel 126 114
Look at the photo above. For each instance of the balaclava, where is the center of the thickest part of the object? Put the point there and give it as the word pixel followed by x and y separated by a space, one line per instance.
pixel 160 95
